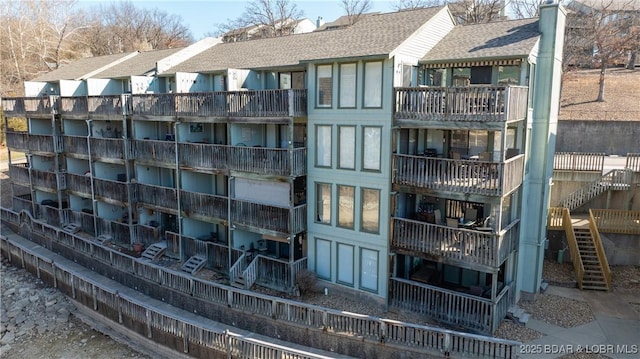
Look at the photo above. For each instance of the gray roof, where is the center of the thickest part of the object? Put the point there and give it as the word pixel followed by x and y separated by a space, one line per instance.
pixel 373 35
pixel 78 68
pixel 494 40
pixel 139 65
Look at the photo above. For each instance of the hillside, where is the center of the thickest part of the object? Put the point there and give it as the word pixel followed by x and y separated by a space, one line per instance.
pixel 622 96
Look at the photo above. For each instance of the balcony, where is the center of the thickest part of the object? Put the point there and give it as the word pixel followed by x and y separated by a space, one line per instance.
pixel 268 161
pixel 33 107
pixel 30 143
pixel 79 184
pixel 74 107
pixel 422 174
pixel 452 307
pixel 46 180
pixel 158 197
pixel 222 104
pixel 76 145
pixel 203 156
pixel 105 107
pixel 204 206
pixel 20 174
pixel 107 148
pixel 486 107
pixel 275 220
pixel 454 245
pixel 111 190
pixel 154 152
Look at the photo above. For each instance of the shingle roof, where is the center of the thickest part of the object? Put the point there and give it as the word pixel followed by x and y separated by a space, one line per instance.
pixel 342 21
pixel 377 34
pixel 494 40
pixel 138 65
pixel 78 68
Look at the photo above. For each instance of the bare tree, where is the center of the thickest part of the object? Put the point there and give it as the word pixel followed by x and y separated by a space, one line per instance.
pixel 262 19
pixel 120 27
pixel 414 4
pixel 603 34
pixel 354 9
pixel 37 36
pixel 477 11
pixel 524 9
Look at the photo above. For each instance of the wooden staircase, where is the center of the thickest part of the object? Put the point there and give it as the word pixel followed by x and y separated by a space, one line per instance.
pixel 153 252
pixel 593 277
pixel 587 252
pixel 193 264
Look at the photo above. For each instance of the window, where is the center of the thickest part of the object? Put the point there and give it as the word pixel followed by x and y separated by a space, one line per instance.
pixel 346 198
pixel 323 259
pixel 508 75
pixel 373 84
pixel 347 86
pixel 323 203
pixel 370 210
pixel 324 86
pixel 369 269
pixel 323 146
pixel 345 264
pixel 371 152
pixel 347 150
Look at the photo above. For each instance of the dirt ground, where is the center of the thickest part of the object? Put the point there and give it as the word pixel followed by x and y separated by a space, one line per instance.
pixel 580 91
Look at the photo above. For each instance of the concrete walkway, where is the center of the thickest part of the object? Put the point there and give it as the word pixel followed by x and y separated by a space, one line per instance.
pixel 615 332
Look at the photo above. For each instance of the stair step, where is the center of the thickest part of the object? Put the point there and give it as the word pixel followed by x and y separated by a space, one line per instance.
pixel 153 252
pixel 193 264
pixel 524 318
pixel 589 287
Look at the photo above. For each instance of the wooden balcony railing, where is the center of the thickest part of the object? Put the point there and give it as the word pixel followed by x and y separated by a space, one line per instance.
pixel 268 161
pixel 76 145
pixel 26 142
pixel 464 245
pixel 203 156
pixel 21 203
pixel 277 274
pixel 617 221
pixel 451 307
pixel 147 235
pixel 19 174
pixel 217 254
pixel 477 104
pixel 29 106
pixel 153 151
pixel 13 106
pixel 118 231
pixel 84 220
pixel 195 204
pixel 48 214
pixel 597 243
pixel 74 107
pixel 633 162
pixel 80 184
pixel 282 220
pixel 44 179
pixel 105 105
pixel 158 196
pixel 108 148
pixel 252 103
pixel 468 176
pixel 112 190
pixel 575 161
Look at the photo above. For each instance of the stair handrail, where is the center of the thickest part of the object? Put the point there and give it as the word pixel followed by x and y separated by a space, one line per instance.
pixel 237 268
pixel 590 190
pixel 602 257
pixel 250 273
pixel 576 258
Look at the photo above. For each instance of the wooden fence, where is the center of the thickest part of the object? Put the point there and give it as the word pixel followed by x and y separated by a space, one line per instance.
pixel 307 315
pixel 576 161
pixel 633 162
pixel 617 221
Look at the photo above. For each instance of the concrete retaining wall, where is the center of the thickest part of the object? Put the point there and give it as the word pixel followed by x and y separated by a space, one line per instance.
pixel 610 137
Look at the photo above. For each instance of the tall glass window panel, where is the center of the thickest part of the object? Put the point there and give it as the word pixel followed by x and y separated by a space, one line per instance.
pixel 345 264
pixel 324 89
pixel 371 151
pixel 370 210
pixel 323 259
pixel 347 153
pixel 369 269
pixel 347 86
pixel 508 75
pixel 323 199
pixel 323 146
pixel 373 84
pixel 346 199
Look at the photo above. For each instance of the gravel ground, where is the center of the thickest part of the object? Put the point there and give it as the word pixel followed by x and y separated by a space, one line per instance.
pixel 584 356
pixel 560 311
pixel 512 331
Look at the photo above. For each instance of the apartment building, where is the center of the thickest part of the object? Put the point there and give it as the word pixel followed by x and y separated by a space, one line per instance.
pixel 399 158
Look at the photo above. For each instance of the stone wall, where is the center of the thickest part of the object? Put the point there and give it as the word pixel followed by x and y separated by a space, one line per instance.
pixel 610 137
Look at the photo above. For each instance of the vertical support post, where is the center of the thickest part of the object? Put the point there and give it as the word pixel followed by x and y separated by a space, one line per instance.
pixel 147 314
